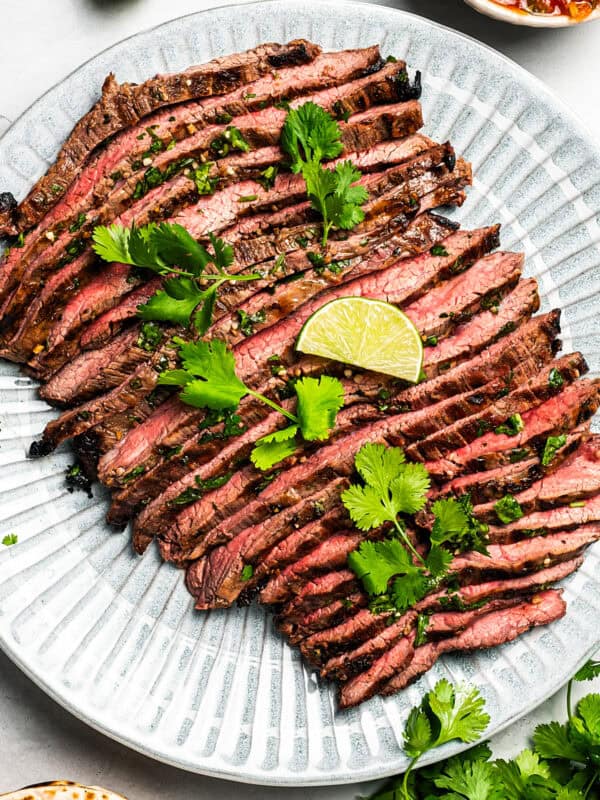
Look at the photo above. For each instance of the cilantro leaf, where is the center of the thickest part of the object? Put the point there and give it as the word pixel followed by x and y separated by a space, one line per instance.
pixel 272 449
pixel 459 712
pixel 450 520
pixel 378 465
pixel 409 489
pixel 365 507
pixel 409 588
pixel 204 315
pixel 418 736
pixel 376 563
pixel 176 247
pixel 176 302
pixel 552 741
pixel 438 560
pixel 310 134
pixel 319 400
pixel 588 672
pixel 472 780
pixel 127 245
pixel 10 539
pixel 213 365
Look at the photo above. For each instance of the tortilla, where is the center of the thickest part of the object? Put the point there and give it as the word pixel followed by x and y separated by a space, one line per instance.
pixel 62 790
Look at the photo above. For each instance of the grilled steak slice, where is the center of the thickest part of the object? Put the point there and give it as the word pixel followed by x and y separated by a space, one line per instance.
pixel 254 541
pixel 353 644
pixel 510 477
pixel 531 555
pixel 211 213
pixel 490 630
pixel 535 391
pixel 96 371
pixel 62 339
pixel 199 464
pixel 572 406
pixel 122 106
pixel 333 552
pixel 497 274
pixel 122 153
pixel 318 594
pixel 124 398
pixel 575 480
pixel 539 523
pixel 58 431
pixel 112 465
pixel 319 632
pixel 321 618
pixel 383 660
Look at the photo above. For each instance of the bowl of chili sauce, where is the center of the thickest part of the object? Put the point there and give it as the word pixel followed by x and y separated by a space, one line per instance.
pixel 540 13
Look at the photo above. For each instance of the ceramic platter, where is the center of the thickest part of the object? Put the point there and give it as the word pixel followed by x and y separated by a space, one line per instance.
pixel 112 636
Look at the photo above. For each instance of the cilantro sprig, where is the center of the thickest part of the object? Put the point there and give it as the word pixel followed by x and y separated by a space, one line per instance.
pixel 208 379
pixel 563 763
pixel 392 571
pixel 310 136
pixel 170 251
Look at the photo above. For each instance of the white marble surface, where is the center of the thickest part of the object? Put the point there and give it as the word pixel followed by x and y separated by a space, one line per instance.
pixel 43 40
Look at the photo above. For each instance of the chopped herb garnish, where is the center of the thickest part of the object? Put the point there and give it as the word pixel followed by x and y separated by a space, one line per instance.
pixel 555 379
pixel 78 223
pixel 508 509
pixel 438 250
pixel 577 504
pixel 150 337
pixel 247 198
pixel 10 539
pixel 267 177
pixel 513 425
pixel 430 341
pixel 247 572
pixel 248 321
pixel 552 446
pixel 231 139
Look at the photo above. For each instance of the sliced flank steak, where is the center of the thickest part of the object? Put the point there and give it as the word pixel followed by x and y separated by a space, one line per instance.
pixel 520 398
pixel 210 213
pixel 123 105
pixel 540 523
pixel 352 645
pixel 490 630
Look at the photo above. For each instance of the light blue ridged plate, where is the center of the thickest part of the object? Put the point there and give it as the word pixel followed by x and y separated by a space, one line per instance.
pixel 113 637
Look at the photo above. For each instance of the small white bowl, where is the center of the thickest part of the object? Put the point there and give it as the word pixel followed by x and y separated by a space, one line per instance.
pixel 507 14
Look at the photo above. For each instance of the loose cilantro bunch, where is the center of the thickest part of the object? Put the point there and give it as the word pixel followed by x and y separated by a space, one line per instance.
pixel 170 251
pixel 392 571
pixel 310 135
pixel 564 763
pixel 209 380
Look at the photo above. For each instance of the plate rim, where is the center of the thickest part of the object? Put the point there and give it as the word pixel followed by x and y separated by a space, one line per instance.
pixel 546 95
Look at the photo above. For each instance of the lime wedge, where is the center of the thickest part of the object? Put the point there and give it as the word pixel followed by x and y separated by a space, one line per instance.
pixel 365 333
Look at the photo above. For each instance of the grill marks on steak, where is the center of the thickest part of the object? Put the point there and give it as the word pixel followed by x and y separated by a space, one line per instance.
pixel 211 213
pixel 490 630
pixel 573 405
pixel 122 106
pixel 186 475
pixel 530 394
